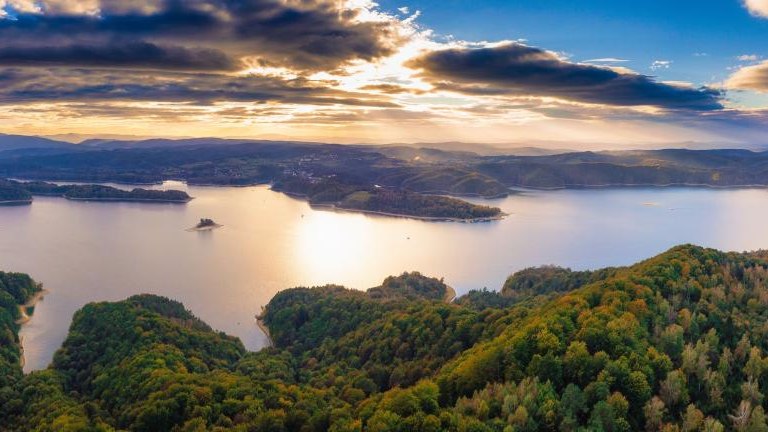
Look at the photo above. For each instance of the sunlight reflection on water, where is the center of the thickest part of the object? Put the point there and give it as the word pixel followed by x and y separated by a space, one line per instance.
pixel 86 252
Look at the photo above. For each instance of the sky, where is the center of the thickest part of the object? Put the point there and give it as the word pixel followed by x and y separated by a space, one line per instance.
pixel 586 74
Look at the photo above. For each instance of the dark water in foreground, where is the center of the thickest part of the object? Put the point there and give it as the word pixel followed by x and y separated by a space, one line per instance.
pixel 86 252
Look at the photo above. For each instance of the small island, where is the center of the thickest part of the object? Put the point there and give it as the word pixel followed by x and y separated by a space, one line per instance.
pixel 205 224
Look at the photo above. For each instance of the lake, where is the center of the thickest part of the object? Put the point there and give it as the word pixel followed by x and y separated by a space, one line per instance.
pixel 84 252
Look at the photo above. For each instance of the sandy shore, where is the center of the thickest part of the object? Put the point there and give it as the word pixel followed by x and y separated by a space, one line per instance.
pixel 24 309
pixel 263 327
pixel 25 318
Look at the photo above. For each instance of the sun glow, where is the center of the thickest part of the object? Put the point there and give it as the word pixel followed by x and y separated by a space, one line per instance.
pixel 331 247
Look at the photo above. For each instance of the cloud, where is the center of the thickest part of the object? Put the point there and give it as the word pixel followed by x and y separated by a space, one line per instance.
pixel 514 69
pixel 606 60
pixel 757 7
pixel 212 65
pixel 25 86
pixel 118 54
pixel 748 57
pixel 130 55
pixel 299 34
pixel 753 77
pixel 391 89
pixel 661 64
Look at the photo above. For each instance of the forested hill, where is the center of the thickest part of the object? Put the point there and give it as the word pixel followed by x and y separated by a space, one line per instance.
pixel 675 343
pixel 15 290
pixel 415 168
pixel 717 168
pixel 404 181
pixel 16 192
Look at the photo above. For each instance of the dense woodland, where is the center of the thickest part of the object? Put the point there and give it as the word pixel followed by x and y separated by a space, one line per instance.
pixel 12 194
pixel 108 193
pixel 415 204
pixel 347 195
pixel 675 343
pixel 24 191
pixel 15 289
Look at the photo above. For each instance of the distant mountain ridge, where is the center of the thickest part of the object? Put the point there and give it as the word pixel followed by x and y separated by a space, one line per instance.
pixel 532 148
pixel 426 170
pixel 70 142
pixel 107 144
pixel 18 142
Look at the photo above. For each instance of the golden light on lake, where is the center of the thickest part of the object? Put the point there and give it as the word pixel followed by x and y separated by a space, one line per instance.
pixel 329 246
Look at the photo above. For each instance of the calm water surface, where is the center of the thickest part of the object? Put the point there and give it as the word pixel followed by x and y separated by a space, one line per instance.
pixel 84 252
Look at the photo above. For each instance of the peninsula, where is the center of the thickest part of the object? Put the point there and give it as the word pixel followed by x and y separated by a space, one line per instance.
pixel 90 192
pixel 11 195
pixel 332 194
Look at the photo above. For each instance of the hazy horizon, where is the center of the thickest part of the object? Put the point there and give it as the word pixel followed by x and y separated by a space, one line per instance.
pixel 551 146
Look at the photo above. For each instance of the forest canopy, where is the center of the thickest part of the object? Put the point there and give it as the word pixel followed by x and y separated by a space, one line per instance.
pixel 674 343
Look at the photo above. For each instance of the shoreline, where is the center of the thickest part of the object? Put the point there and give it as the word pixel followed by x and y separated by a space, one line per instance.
pixel 141 200
pixel 263 327
pixel 127 183
pixel 26 318
pixel 334 207
pixel 11 203
pixel 32 302
pixel 97 199
pixel 638 185
pixel 468 195
pixel 205 228
pixel 512 188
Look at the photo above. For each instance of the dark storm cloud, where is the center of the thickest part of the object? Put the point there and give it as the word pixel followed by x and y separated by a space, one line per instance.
pixel 183 51
pixel 129 55
pixel 31 85
pixel 519 70
pixel 299 34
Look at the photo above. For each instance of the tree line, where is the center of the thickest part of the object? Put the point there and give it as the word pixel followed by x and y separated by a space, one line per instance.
pixel 674 343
